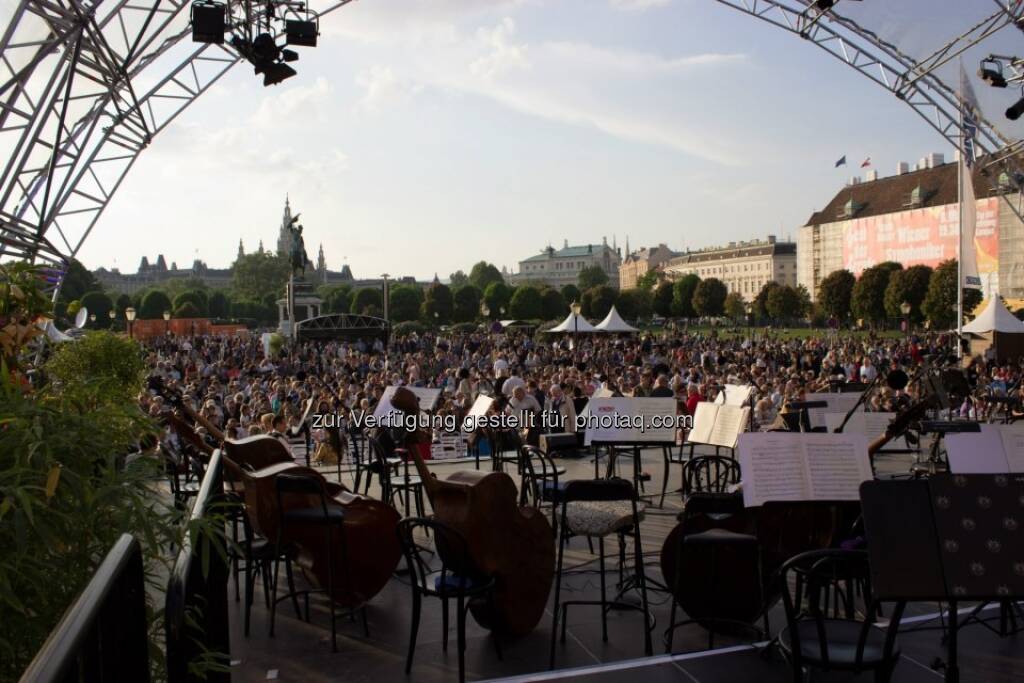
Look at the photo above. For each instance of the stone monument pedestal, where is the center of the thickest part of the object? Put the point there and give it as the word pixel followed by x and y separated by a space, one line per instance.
pixel 301 301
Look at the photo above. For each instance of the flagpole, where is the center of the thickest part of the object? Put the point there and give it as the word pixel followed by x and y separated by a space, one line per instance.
pixel 960 231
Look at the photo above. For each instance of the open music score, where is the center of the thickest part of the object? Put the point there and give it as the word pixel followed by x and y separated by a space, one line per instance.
pixel 837 403
pixel 873 425
pixel 996 449
pixel 791 466
pixel 428 400
pixel 718 424
pixel 734 395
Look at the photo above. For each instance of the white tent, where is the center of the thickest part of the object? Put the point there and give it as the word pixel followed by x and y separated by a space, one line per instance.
pixel 574 323
pixel 995 318
pixel 613 322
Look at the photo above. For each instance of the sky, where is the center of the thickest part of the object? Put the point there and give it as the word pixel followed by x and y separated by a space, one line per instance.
pixel 421 136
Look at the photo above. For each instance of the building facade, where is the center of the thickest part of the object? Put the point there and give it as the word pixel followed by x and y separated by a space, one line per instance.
pixel 639 263
pixel 913 218
pixel 559 267
pixel 744 267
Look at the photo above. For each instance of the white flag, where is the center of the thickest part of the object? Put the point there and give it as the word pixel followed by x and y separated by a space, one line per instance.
pixel 968 258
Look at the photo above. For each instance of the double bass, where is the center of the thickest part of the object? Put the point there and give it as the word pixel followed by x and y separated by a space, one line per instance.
pixel 372 545
pixel 512 544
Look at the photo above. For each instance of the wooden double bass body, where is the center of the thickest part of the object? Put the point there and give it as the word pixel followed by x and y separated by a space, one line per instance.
pixel 369 540
pixel 512 544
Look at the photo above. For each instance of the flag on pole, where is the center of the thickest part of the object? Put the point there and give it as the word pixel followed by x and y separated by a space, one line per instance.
pixel 841 162
pixel 865 163
pixel 969 207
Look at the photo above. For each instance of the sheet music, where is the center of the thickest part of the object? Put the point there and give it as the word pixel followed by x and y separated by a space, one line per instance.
pixel 428 399
pixel 837 464
pixel 772 464
pixel 630 420
pixel 729 422
pixel 703 422
pixel 734 395
pixel 1013 446
pixel 981 452
pixel 837 403
pixel 872 425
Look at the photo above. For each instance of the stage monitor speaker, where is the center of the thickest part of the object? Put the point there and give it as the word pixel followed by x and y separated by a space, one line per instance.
pixel 553 443
pixel 208 24
pixel 302 33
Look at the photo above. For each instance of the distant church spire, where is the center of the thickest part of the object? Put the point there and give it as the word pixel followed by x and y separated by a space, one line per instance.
pixel 321 264
pixel 241 248
pixel 261 247
pixel 283 238
pixel 627 246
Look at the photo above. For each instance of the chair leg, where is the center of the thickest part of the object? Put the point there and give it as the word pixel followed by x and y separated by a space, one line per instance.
pixel 250 578
pixel 558 595
pixel 415 628
pixel 265 578
pixel 664 479
pixel 642 579
pixel 330 589
pixel 273 594
pixel 671 627
pixel 444 624
pixel 291 587
pixel 461 635
pixel 604 613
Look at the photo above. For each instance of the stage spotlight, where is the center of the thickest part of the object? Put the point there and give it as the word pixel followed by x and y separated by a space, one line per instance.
pixel 208 22
pixel 991 72
pixel 1014 112
pixel 277 72
pixel 289 55
pixel 824 5
pixel 301 33
pixel 264 49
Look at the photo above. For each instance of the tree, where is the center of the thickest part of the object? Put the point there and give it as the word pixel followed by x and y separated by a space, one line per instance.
pixel 496 297
pixel 337 299
pixel 867 300
pixel 940 302
pixel 368 301
pixel 153 305
pixel 195 297
pixel 483 274
pixel 662 302
pixel 77 282
pixel 635 304
pixel 682 296
pixel 100 305
pixel 526 303
pixel 785 303
pixel 438 305
pixel 255 275
pixel 219 305
pixel 458 279
pixel 907 286
pixel 466 303
pixel 404 303
pixel 735 308
pixel 553 304
pixel 760 307
pixel 834 293
pixel 176 286
pixel 649 280
pixel 597 301
pixel 590 277
pixel 187 310
pixel 571 293
pixel 709 297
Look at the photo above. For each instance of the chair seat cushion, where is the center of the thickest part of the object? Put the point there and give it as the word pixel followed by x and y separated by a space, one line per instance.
pixel 551 492
pixel 842 636
pixel 448 582
pixel 400 480
pixel 600 518
pixel 314 515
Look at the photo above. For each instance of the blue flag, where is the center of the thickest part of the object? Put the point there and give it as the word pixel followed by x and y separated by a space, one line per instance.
pixel 841 162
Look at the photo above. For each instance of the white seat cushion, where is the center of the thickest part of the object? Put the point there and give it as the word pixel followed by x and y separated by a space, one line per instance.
pixel 600 518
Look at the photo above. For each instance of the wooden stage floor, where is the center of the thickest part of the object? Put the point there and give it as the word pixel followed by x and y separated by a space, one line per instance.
pixel 301 651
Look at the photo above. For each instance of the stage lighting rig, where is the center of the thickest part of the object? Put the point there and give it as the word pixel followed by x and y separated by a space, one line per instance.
pixel 991 72
pixel 208 22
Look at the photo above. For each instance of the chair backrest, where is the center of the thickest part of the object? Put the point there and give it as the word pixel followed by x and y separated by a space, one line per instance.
pixel 717 574
pixel 821 585
pixel 451 549
pixel 303 483
pixel 598 490
pixel 537 468
pixel 710 474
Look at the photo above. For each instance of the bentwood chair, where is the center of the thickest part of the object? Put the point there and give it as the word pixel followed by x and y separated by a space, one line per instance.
pixel 325 517
pixel 540 481
pixel 457 580
pixel 398 479
pixel 598 508
pixel 706 483
pixel 848 639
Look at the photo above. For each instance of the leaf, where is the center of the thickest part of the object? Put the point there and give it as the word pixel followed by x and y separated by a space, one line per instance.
pixel 52 479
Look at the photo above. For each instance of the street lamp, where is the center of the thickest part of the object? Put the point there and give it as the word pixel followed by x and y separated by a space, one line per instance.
pixel 905 310
pixel 112 315
pixel 167 322
pixel 485 310
pixel 385 292
pixel 749 307
pixel 92 319
pixel 129 314
pixel 575 308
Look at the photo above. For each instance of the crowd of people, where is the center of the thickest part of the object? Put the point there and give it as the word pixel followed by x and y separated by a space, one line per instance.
pixel 242 390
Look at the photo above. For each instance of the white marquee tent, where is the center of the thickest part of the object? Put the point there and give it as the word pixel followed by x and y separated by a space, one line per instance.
pixel 995 318
pixel 613 322
pixel 996 332
pixel 574 323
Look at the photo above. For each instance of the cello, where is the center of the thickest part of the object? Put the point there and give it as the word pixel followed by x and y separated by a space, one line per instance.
pixel 510 543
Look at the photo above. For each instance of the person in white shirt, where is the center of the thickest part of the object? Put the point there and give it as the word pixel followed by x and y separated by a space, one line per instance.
pixel 868 373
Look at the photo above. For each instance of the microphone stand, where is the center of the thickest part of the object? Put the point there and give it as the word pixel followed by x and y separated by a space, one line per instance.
pixel 858 404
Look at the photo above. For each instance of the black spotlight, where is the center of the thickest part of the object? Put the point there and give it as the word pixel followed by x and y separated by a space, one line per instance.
pixel 264 51
pixel 1014 112
pixel 277 72
pixel 991 72
pixel 289 55
pixel 208 22
pixel 302 33
pixel 824 5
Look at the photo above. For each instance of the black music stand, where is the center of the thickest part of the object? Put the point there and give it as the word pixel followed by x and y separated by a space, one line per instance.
pixel 956 536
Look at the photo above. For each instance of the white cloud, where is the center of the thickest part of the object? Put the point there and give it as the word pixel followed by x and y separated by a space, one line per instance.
pixel 384 89
pixel 503 55
pixel 637 5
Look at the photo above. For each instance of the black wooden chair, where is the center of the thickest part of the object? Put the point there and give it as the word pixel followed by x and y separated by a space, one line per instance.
pixel 671 456
pixel 400 481
pixel 706 483
pixel 505 448
pixel 457 579
pixel 818 582
pixel 540 481
pixel 379 459
pixel 598 508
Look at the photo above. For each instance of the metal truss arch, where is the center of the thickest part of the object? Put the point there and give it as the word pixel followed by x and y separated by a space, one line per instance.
pixel 343 326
